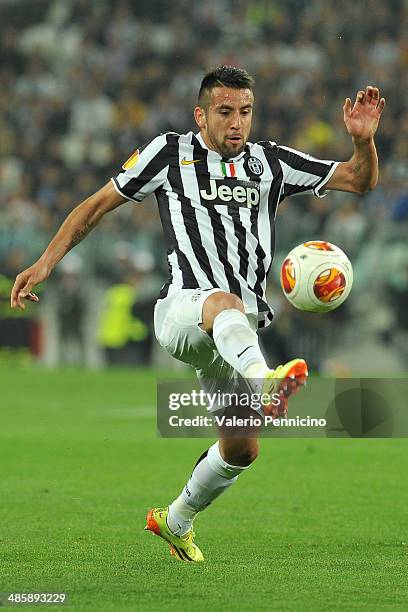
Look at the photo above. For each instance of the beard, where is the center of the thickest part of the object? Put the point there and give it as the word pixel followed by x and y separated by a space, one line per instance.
pixel 229 150
pixel 225 148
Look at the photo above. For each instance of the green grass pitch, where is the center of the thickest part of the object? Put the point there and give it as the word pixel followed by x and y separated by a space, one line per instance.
pixel 313 525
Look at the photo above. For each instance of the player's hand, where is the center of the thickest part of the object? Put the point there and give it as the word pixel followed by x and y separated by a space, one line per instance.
pixel 362 119
pixel 24 284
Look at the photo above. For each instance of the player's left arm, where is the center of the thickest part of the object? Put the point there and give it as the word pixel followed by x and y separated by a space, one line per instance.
pixel 360 173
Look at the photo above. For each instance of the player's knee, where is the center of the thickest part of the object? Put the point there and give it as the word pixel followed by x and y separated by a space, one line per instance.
pixel 227 301
pixel 216 303
pixel 243 456
pixel 224 301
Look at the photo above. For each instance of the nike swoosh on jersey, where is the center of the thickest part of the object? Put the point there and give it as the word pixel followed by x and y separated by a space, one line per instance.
pixel 187 162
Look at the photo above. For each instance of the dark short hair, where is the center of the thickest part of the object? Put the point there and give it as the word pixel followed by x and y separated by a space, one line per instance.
pixel 224 76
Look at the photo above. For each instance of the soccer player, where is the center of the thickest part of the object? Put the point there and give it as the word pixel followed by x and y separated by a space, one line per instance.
pixel 218 195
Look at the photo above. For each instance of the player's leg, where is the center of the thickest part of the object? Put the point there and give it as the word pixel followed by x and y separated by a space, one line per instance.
pixel 183 326
pixel 239 451
pixel 216 470
pixel 237 342
pixel 219 467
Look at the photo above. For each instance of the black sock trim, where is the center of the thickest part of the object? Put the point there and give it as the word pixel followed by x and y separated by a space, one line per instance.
pixel 203 456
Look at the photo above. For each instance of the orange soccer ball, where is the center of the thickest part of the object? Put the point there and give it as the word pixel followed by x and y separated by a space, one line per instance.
pixel 316 276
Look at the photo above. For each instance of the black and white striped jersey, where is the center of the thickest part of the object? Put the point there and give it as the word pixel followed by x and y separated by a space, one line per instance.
pixel 218 214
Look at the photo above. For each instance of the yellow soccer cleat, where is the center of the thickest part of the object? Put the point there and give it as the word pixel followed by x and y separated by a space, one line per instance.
pixel 284 380
pixel 181 547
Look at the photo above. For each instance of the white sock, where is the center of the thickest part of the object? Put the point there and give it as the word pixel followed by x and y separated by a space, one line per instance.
pixel 211 477
pixel 238 344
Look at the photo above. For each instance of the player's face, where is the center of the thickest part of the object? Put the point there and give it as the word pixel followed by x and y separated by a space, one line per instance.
pixel 226 123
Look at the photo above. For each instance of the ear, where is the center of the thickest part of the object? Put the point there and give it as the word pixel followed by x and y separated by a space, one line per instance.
pixel 199 116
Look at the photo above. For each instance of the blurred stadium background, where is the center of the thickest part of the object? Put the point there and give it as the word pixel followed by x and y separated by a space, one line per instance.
pixel 84 82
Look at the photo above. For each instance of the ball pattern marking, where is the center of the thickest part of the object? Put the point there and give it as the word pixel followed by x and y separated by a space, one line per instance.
pixel 319 245
pixel 329 285
pixel 288 276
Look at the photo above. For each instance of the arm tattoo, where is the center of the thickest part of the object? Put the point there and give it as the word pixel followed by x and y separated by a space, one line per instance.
pixel 357 168
pixel 80 234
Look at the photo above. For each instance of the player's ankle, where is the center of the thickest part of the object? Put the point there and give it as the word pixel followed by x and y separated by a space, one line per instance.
pixel 256 370
pixel 178 525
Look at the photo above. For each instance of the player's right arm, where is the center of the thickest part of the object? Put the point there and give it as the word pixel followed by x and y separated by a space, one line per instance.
pixel 142 174
pixel 76 226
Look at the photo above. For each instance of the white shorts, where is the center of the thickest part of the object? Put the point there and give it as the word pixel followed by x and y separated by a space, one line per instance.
pixel 177 320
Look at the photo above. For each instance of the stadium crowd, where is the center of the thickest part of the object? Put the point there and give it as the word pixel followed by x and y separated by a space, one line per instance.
pixel 84 82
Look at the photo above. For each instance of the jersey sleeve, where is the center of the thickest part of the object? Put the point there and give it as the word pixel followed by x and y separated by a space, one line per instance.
pixel 145 171
pixel 302 172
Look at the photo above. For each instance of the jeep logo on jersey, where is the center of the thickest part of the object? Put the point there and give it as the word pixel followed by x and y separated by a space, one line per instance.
pixel 255 165
pixel 249 196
